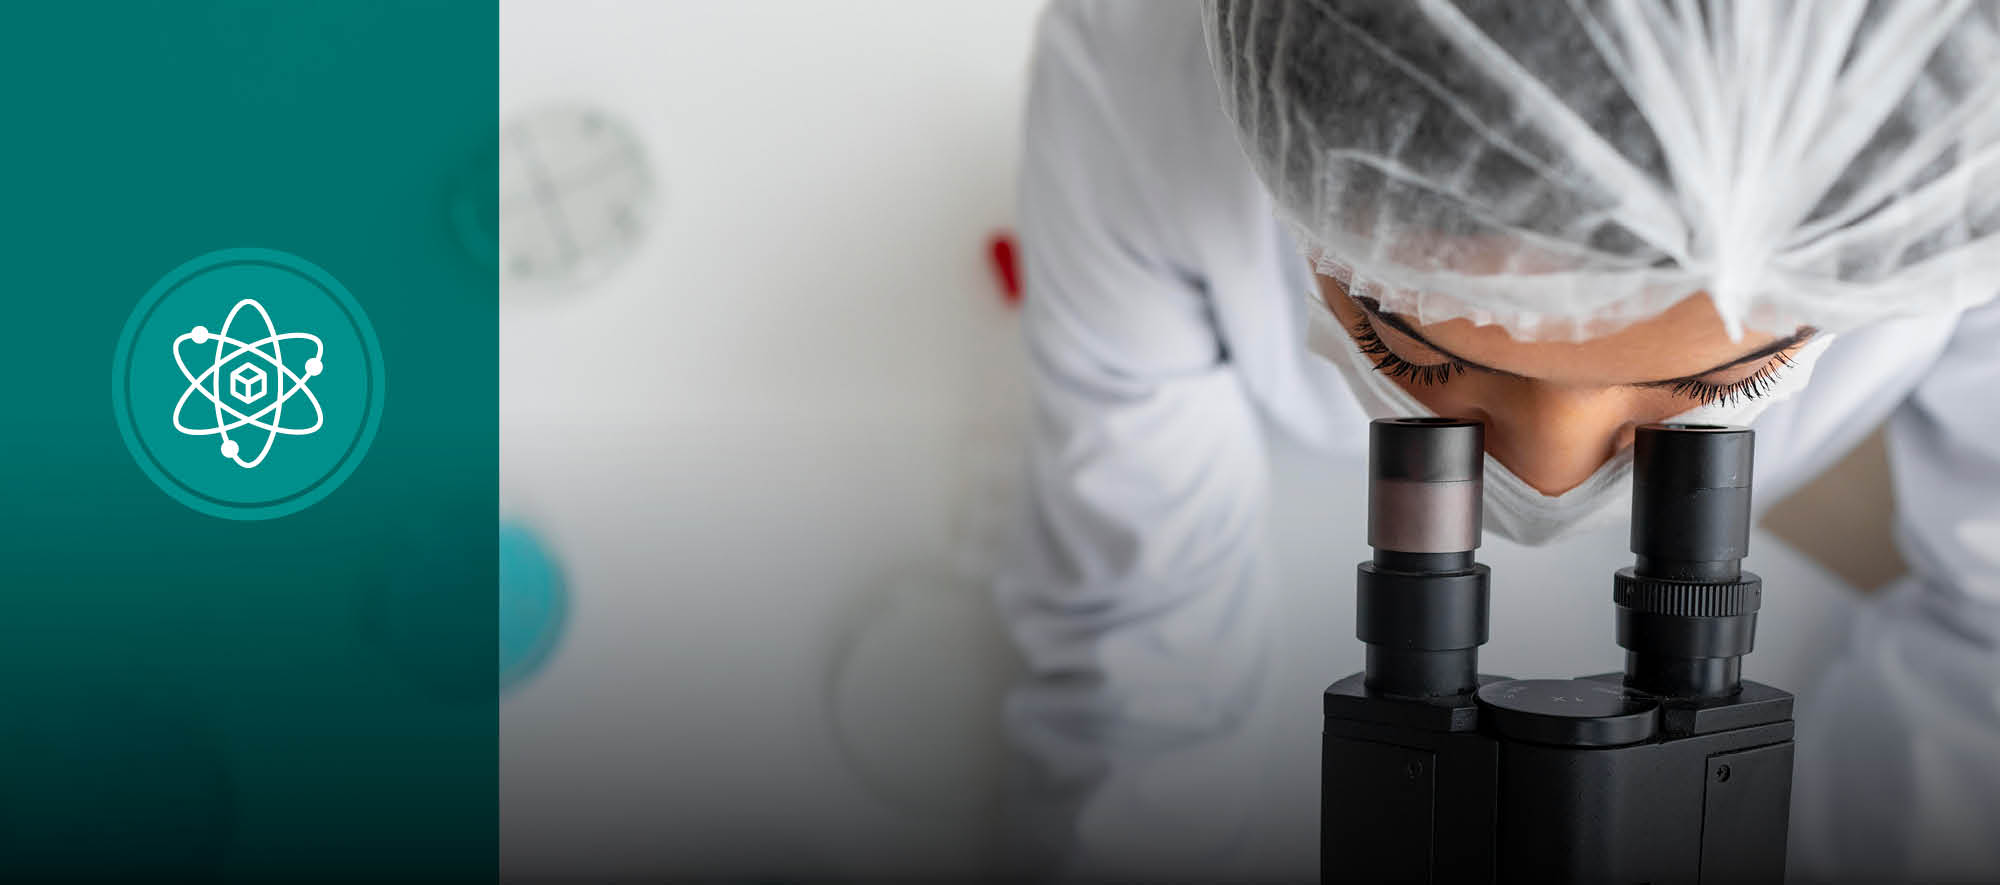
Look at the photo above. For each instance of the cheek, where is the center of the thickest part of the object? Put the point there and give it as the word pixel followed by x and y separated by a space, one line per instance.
pixel 1470 395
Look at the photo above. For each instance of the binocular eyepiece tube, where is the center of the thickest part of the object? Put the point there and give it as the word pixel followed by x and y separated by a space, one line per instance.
pixel 1422 601
pixel 1687 612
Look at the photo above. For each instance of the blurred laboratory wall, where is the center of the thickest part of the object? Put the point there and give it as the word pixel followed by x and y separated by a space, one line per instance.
pixel 1844 518
pixel 762 441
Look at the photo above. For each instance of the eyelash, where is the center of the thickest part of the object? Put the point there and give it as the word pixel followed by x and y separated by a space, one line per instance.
pixel 1704 392
pixel 1750 388
pixel 1388 363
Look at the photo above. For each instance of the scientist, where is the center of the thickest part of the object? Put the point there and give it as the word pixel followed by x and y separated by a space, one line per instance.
pixel 1564 220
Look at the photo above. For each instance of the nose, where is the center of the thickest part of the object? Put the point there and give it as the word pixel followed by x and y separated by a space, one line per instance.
pixel 1554 438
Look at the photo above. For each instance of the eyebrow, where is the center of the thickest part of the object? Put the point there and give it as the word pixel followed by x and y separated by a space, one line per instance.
pixel 1373 312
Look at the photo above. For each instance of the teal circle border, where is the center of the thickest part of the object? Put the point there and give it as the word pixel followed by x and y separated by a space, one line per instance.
pixel 164 478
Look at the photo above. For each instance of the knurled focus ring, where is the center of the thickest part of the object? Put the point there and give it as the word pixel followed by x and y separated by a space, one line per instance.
pixel 1688 598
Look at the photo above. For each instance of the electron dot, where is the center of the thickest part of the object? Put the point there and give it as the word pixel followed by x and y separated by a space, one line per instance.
pixel 313 367
pixel 228 448
pixel 201 334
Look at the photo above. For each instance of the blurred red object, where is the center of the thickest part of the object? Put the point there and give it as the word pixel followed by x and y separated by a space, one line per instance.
pixel 1006 265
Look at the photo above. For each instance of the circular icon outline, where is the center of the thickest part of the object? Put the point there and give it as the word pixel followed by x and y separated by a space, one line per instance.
pixel 179 489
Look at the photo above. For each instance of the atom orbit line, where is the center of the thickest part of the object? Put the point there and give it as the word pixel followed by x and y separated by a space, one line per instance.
pixel 209 384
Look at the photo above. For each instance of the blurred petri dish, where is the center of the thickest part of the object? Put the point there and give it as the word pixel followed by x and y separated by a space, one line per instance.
pixel 533 605
pixel 915 693
pixel 575 198
pixel 434 615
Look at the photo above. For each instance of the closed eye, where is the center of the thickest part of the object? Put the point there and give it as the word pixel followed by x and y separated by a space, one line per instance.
pixel 1707 392
pixel 1703 388
pixel 1388 363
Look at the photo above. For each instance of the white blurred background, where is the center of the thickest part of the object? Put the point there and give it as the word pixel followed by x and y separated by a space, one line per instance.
pixel 769 446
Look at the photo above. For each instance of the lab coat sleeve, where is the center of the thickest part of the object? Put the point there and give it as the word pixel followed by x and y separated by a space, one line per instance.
pixel 1135 594
pixel 1899 742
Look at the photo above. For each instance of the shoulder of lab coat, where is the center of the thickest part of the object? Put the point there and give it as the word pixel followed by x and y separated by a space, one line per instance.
pixel 1138 590
pixel 1131 167
pixel 1146 458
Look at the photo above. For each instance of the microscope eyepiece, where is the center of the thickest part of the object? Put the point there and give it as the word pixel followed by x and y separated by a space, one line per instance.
pixel 1425 478
pixel 1687 612
pixel 1421 599
pixel 1691 500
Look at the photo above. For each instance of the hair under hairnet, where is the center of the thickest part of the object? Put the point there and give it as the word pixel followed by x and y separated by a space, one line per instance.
pixel 1563 169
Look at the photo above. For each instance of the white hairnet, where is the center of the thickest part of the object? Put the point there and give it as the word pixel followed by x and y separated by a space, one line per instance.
pixel 1562 169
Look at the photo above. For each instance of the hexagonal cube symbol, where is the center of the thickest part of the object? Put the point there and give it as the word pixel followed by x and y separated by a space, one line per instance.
pixel 247 383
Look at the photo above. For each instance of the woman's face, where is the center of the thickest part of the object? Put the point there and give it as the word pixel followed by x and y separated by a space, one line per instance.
pixel 1556 411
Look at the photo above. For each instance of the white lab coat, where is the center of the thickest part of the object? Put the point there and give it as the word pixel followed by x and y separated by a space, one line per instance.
pixel 1164 320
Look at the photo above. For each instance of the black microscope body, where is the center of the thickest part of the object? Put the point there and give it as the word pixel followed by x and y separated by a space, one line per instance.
pixel 1676 770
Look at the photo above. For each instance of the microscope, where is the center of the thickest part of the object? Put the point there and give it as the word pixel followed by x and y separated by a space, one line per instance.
pixel 1675 770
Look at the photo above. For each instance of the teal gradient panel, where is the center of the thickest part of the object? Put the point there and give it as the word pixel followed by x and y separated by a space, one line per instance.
pixel 308 696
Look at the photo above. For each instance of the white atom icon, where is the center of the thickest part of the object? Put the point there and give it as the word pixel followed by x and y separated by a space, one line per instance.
pixel 247 384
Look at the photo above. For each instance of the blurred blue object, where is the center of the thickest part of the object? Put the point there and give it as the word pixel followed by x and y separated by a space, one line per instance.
pixel 532 604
